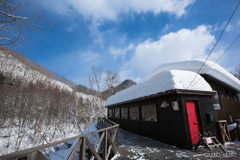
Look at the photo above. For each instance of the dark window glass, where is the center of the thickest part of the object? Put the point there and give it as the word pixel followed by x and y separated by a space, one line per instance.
pixel 134 112
pixel 124 112
pixel 217 99
pixel 117 113
pixel 149 113
pixel 110 113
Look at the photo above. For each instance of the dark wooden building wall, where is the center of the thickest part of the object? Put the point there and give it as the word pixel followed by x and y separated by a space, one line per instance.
pixel 229 104
pixel 204 105
pixel 172 127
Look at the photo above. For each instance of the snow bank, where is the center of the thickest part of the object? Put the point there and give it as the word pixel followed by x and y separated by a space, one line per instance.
pixel 165 81
pixel 194 65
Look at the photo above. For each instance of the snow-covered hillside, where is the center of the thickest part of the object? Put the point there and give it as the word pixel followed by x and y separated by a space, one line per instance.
pixel 36 109
pixel 9 65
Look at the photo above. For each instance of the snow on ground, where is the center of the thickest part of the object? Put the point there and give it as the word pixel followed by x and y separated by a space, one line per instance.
pixel 14 138
pixel 133 146
pixel 194 65
pixel 164 81
pixel 62 151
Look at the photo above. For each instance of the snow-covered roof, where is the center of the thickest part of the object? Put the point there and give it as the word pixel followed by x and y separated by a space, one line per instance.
pixel 216 71
pixel 164 81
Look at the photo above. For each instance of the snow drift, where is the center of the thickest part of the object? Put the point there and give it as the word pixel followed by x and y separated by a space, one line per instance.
pixel 209 68
pixel 165 81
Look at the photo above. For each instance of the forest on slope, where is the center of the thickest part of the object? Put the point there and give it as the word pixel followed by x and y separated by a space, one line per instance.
pixel 36 109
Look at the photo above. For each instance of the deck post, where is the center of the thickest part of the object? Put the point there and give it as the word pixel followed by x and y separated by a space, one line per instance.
pixel 117 136
pixel 105 146
pixel 82 149
pixel 238 128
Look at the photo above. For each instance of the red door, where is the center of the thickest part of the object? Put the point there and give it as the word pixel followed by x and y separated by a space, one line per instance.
pixel 193 121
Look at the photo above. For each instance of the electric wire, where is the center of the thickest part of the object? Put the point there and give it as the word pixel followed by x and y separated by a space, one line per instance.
pixel 212 48
pixel 219 57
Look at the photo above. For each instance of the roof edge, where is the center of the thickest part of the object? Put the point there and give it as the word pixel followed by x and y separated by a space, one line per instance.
pixel 169 92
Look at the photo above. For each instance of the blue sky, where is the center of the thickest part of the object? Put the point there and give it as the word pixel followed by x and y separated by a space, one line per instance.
pixel 132 37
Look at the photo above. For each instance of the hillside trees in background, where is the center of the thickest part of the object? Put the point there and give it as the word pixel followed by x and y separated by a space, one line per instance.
pixel 11 55
pixel 111 80
pixel 16 18
pixel 41 113
pixel 99 80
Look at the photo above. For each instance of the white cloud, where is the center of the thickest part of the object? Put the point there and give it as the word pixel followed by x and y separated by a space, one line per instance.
pixel 111 9
pixel 238 23
pixel 89 56
pixel 166 28
pixel 182 45
pixel 72 27
pixel 120 52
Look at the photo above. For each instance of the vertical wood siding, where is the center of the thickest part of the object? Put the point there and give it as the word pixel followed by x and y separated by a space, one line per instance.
pixel 228 106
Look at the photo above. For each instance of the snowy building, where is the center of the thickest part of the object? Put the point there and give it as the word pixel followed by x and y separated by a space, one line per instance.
pixel 169 106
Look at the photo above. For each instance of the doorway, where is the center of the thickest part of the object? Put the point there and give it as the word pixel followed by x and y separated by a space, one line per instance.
pixel 193 120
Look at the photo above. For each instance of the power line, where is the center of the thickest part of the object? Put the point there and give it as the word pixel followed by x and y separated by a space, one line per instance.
pixel 220 56
pixel 212 48
pixel 224 52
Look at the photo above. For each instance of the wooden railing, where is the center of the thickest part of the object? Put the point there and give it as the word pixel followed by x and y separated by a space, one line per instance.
pixel 109 140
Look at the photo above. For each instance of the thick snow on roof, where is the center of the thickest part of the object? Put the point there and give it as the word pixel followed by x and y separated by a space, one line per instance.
pixel 165 81
pixel 216 71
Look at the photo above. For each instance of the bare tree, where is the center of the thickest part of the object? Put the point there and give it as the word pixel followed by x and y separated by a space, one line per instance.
pixel 90 82
pixel 97 75
pixel 15 19
pixel 111 79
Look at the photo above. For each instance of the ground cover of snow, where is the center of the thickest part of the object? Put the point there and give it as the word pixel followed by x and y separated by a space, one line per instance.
pixel 164 81
pixel 133 146
pixel 209 67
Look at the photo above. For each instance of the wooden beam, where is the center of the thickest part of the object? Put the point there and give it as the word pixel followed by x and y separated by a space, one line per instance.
pixel 109 151
pixel 90 146
pixel 105 145
pixel 82 149
pixel 30 150
pixel 99 143
pixel 70 157
pixel 112 143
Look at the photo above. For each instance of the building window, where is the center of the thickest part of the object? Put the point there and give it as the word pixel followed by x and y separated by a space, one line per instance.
pixel 117 113
pixel 124 113
pixel 222 95
pixel 109 112
pixel 217 99
pixel 134 112
pixel 149 113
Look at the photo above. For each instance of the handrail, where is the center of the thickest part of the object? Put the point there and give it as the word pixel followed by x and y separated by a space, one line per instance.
pixel 80 137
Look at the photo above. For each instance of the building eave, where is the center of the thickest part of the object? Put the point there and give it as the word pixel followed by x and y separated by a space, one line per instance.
pixel 167 93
